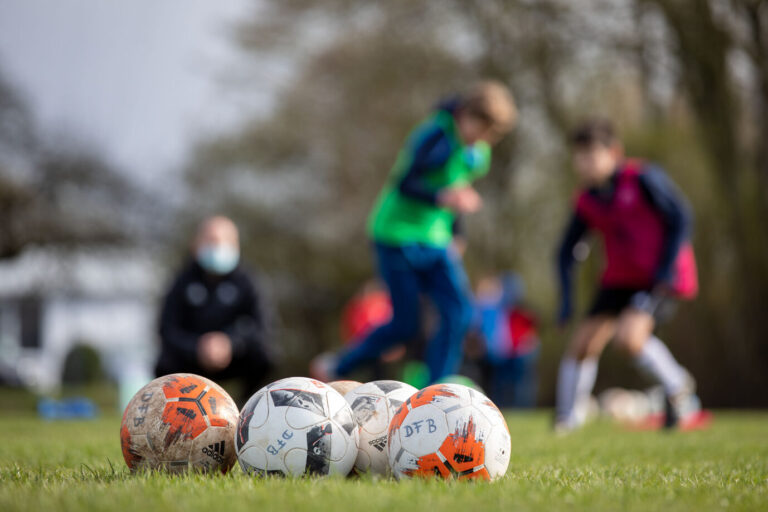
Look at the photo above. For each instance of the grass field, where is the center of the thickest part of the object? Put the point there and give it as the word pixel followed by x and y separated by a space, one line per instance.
pixel 78 466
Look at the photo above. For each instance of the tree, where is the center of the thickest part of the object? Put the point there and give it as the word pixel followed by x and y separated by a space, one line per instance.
pixel 59 193
pixel 302 179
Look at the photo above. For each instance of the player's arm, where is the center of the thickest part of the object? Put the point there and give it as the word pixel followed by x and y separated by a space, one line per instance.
pixel 172 335
pixel 576 229
pixel 431 152
pixel 674 209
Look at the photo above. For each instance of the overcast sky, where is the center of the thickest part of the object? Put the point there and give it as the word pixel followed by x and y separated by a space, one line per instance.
pixel 137 78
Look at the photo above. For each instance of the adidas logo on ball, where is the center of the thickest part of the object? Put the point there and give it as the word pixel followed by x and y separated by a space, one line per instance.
pixel 373 405
pixel 169 423
pixel 379 443
pixel 215 451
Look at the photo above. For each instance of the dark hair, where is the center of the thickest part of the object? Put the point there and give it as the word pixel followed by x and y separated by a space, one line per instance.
pixel 594 131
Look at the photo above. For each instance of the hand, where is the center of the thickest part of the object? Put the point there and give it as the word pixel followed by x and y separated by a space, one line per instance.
pixel 394 354
pixel 214 351
pixel 460 199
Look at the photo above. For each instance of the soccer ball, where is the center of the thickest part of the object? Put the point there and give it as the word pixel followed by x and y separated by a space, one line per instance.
pixel 624 406
pixel 344 386
pixel 373 405
pixel 178 422
pixel 450 431
pixel 296 426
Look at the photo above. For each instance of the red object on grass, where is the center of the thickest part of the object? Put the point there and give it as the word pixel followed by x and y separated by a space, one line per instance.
pixel 700 420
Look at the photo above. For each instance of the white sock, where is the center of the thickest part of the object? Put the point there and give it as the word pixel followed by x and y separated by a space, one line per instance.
pixel 566 389
pixel 575 381
pixel 657 361
pixel 584 386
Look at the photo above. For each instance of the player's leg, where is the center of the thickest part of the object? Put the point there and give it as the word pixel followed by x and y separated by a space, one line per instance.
pixel 447 285
pixel 652 357
pixel 402 281
pixel 578 369
pixel 529 385
pixel 524 374
pixel 633 329
pixel 634 334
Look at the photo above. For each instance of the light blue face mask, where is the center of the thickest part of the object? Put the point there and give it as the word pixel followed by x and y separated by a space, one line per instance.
pixel 218 259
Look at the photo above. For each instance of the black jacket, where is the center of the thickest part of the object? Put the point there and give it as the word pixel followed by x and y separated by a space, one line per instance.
pixel 198 303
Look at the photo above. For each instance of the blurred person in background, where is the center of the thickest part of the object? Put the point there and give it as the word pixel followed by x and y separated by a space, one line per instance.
pixel 369 309
pixel 213 320
pixel 644 222
pixel 510 341
pixel 412 229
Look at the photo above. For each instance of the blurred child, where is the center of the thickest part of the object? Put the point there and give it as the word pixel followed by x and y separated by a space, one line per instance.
pixel 644 223
pixel 510 340
pixel 411 228
pixel 368 309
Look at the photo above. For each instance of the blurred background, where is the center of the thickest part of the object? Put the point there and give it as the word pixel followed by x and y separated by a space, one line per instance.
pixel 123 124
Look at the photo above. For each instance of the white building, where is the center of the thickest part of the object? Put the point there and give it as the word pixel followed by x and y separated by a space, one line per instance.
pixel 54 299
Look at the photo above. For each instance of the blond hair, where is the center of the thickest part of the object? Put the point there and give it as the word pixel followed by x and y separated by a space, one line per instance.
pixel 491 101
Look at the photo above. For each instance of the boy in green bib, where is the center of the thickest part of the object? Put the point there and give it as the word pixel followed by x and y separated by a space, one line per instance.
pixel 411 228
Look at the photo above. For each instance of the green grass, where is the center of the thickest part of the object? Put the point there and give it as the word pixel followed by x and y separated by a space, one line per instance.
pixel 78 466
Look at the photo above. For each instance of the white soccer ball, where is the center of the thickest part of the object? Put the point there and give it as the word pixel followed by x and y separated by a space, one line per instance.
pixel 623 405
pixel 449 431
pixel 373 406
pixel 296 426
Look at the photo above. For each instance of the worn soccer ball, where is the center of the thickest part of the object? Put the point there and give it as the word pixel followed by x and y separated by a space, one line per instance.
pixel 344 386
pixel 460 379
pixel 373 405
pixel 449 431
pixel 297 426
pixel 179 422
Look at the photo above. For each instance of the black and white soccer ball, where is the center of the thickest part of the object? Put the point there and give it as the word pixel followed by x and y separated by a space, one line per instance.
pixel 296 426
pixel 373 405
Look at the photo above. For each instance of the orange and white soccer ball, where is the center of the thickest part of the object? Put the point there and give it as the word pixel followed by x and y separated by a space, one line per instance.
pixel 179 422
pixel 449 431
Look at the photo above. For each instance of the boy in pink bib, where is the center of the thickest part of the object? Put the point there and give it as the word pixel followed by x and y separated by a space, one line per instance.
pixel 644 223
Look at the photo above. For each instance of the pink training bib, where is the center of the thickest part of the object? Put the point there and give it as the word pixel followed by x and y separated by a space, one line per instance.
pixel 633 236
